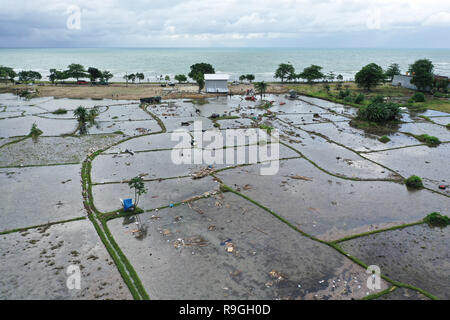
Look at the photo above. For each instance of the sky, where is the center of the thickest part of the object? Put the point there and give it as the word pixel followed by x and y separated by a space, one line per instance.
pixel 226 23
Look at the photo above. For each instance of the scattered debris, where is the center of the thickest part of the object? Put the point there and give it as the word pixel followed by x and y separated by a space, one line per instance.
pixel 203 172
pixel 143 130
pixel 277 275
pixel 299 178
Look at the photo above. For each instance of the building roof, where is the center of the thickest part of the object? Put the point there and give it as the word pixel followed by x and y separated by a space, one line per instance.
pixel 219 76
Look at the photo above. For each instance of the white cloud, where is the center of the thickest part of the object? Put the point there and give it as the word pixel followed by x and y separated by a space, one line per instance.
pixel 166 22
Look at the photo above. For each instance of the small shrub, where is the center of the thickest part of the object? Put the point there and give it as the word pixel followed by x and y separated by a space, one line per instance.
pixel 429 140
pixel 348 99
pixel 118 132
pixel 414 182
pixel 35 131
pixel 266 127
pixel 344 94
pixel 435 219
pixel 359 98
pixel 418 97
pixel 448 126
pixel 60 111
pixel 384 139
pixel 377 99
pixel 379 112
pixel 216 125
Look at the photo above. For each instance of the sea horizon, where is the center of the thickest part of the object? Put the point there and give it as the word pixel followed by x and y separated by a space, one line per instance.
pixel 260 61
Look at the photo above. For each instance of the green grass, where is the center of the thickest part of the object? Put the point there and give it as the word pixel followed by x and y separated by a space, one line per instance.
pixel 435 219
pixel 386 90
pixel 266 127
pixel 414 182
pixel 199 102
pixel 375 128
pixel 384 139
pixel 60 111
pixel 431 141
pixel 35 131
pixel 227 118
pixel 42 225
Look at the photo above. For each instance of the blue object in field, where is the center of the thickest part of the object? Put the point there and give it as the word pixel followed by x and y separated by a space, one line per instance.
pixel 127 204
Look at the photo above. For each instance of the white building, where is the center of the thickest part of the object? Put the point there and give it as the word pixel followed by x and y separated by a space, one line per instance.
pixel 216 83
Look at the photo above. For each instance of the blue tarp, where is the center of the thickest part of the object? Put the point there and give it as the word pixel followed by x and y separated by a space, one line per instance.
pixel 127 204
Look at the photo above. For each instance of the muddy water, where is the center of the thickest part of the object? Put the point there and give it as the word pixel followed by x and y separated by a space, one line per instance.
pixel 37 195
pixel 203 269
pixel 52 150
pixel 332 208
pixel 429 163
pixel 38 260
pixel 331 157
pixel 159 193
pixel 416 255
pixel 21 126
pixel 358 140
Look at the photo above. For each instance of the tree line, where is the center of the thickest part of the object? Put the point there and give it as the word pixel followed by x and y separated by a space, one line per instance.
pixel 369 76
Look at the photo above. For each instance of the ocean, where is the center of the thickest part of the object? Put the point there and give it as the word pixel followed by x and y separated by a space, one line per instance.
pixel 262 62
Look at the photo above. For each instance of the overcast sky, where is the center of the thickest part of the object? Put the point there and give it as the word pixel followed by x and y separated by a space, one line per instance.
pixel 229 23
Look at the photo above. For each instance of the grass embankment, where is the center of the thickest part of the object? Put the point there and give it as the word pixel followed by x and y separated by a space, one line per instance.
pixel 318 90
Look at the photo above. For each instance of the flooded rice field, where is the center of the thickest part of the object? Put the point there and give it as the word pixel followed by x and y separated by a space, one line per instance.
pixel 212 224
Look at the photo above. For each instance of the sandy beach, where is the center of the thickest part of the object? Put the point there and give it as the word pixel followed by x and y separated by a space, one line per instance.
pixel 121 91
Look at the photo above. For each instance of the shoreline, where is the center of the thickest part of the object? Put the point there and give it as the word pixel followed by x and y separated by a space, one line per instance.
pixel 119 91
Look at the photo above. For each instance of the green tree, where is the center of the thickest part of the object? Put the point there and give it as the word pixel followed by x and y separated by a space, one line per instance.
pixel 7 73
pixel 242 77
pixel 312 73
pixel 52 76
pixel 137 183
pixel 125 77
pixel 261 87
pixel 180 78
pixel 167 78
pixel 369 76
pixel 140 76
pixel 422 74
pixel 330 76
pixel 250 77
pixel 284 70
pixel 132 77
pixel 94 74
pixel 106 76
pixel 76 71
pixel 198 72
pixel 339 77
pixel 29 76
pixel 81 114
pixel 392 70
pixel 202 68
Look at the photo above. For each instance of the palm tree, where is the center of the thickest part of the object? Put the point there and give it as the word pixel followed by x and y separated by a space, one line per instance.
pixel 261 87
pixel 82 115
pixel 126 78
